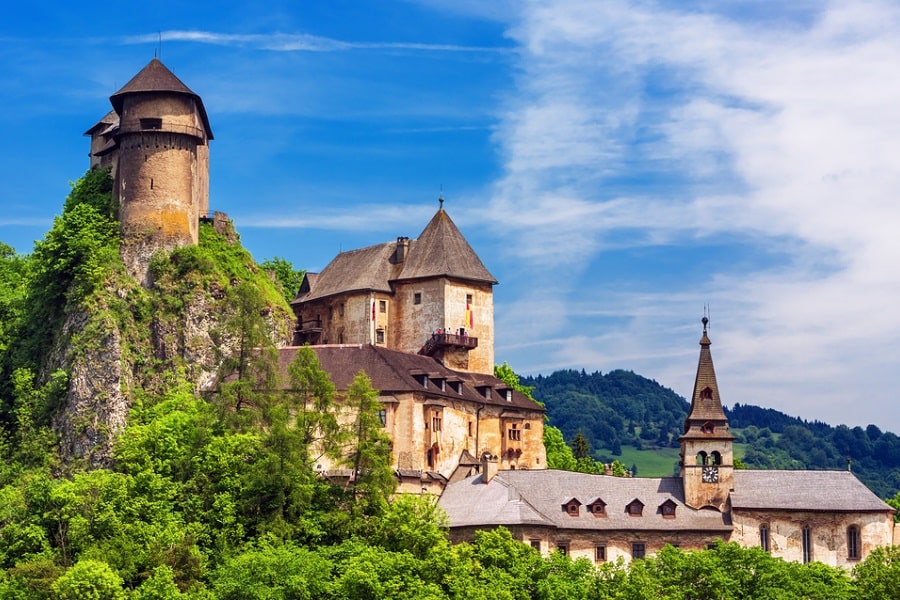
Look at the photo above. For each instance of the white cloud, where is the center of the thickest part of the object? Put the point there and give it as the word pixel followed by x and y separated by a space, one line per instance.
pixel 784 133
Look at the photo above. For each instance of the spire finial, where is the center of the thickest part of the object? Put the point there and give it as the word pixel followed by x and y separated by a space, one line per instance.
pixel 705 319
pixel 441 197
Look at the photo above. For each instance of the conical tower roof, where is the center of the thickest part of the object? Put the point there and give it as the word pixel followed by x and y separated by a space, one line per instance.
pixel 706 405
pixel 442 251
pixel 156 77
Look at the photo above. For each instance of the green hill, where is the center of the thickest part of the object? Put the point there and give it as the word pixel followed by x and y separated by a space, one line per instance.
pixel 636 421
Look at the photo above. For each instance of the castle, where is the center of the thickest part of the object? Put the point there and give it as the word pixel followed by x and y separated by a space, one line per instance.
pixel 417 316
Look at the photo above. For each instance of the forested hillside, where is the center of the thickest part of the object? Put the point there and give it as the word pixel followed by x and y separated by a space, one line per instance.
pixel 622 408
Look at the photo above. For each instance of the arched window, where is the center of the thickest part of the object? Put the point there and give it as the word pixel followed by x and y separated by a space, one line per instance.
pixel 706 394
pixel 764 537
pixel 701 458
pixel 715 458
pixel 854 544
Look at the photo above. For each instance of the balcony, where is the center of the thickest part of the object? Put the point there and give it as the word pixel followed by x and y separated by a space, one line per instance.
pixel 443 341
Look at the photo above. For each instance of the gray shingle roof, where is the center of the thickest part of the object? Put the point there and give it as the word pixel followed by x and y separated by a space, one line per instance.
pixel 364 269
pixel 803 490
pixel 440 251
pixel 536 497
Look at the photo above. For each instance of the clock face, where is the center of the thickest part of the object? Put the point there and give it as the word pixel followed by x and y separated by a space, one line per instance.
pixel 710 474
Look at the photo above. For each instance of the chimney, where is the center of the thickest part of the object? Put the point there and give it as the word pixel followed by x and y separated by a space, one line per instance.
pixel 402 249
pixel 488 467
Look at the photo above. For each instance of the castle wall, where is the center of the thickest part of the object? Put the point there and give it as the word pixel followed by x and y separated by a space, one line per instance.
pixel 828 533
pixel 443 306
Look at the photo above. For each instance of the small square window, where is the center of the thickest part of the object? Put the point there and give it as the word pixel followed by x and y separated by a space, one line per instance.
pixel 536 544
pixel 417 298
pixel 638 550
pixel 562 548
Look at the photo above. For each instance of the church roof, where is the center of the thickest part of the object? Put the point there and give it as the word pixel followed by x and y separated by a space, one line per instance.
pixel 835 491
pixel 439 251
pixel 392 371
pixel 156 77
pixel 536 497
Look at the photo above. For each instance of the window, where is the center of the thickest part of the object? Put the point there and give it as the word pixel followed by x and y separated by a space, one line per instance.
pixel 806 540
pixel 509 395
pixel 469 299
pixel 379 336
pixel 635 509
pixel 701 458
pixel 382 306
pixel 470 429
pixel 667 509
pixel 597 508
pixel 429 458
pixel 151 123
pixel 853 543
pixel 707 428
pixel 341 310
pixel 600 553
pixel 710 545
pixel 562 548
pixel 435 423
pixel 764 537
pixel 536 544
pixel 515 434
pixel 417 298
pixel 638 550
pixel 716 458
pixel 572 507
pixel 382 416
pixel 706 394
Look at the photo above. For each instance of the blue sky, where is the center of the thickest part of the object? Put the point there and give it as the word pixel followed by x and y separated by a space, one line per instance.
pixel 617 165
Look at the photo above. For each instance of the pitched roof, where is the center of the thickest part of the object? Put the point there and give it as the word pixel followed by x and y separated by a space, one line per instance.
pixel 365 269
pixel 536 497
pixel 441 250
pixel 837 491
pixel 706 405
pixel 156 77
pixel 392 371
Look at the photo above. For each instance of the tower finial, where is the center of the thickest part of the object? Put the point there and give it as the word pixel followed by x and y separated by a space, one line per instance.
pixel 705 319
pixel 441 198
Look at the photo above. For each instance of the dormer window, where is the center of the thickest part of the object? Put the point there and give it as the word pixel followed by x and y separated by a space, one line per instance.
pixel 572 507
pixel 667 509
pixel 706 394
pixel 707 427
pixel 509 395
pixel 597 508
pixel 635 508
pixel 484 390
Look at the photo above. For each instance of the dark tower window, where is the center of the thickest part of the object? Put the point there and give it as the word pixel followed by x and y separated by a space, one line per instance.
pixel 151 123
pixel 706 394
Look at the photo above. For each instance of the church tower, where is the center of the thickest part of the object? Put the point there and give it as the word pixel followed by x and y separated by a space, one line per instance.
pixel 156 141
pixel 707 457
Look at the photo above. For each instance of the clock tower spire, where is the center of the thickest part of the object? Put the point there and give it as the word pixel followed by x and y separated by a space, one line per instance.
pixel 707 457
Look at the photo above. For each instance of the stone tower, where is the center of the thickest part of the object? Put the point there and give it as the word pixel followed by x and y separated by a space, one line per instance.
pixel 156 140
pixel 707 457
